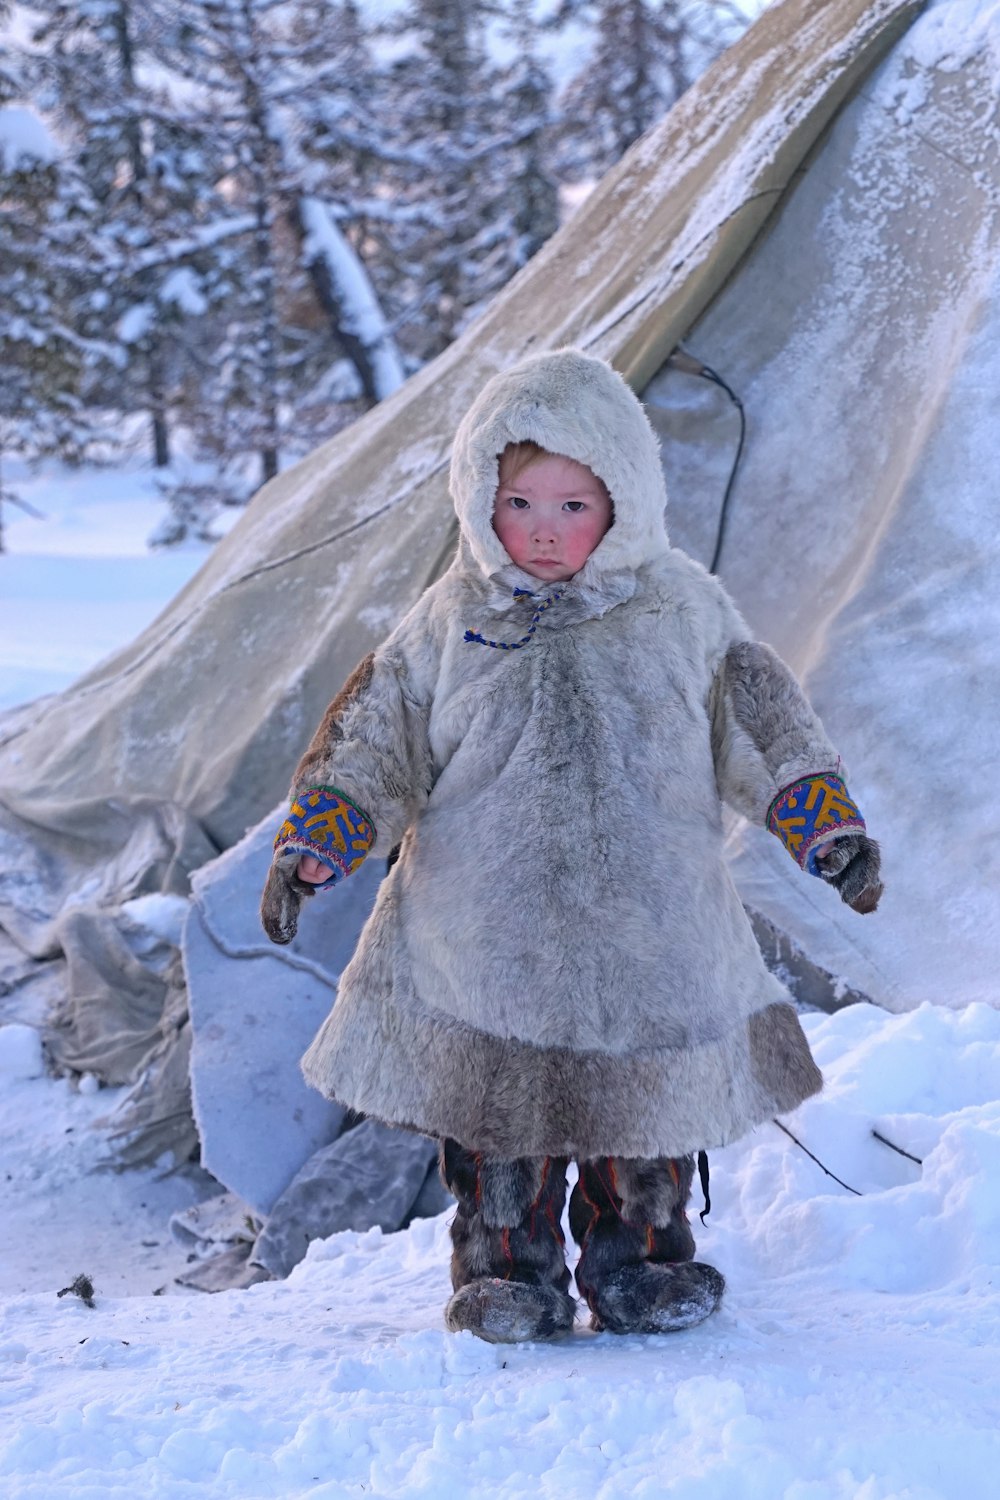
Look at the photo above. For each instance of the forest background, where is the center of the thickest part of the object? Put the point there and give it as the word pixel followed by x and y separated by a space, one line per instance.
pixel 229 227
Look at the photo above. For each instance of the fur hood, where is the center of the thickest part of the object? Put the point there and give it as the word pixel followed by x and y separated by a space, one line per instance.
pixel 575 405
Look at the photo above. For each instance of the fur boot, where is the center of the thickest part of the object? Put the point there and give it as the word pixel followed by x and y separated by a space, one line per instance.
pixel 508 1264
pixel 636 1270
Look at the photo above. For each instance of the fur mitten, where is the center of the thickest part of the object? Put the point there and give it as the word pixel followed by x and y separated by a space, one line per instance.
pixel 283 896
pixel 852 866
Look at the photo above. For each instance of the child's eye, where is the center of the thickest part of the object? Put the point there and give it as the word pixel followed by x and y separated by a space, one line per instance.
pixel 575 506
pixel 519 502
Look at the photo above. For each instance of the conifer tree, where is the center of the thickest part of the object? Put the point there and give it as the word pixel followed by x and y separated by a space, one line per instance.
pixel 645 54
pixel 45 358
pixel 10 82
pixel 525 100
pixel 339 152
pixel 140 179
pixel 267 77
pixel 452 236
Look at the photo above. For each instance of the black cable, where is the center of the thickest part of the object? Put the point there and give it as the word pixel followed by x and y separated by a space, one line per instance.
pixel 893 1147
pixel 816 1159
pixel 689 364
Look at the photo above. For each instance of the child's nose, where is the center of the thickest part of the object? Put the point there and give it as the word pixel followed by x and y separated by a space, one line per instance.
pixel 544 531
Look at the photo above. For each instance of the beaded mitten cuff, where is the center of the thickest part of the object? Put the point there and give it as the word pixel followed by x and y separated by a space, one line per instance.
pixel 323 823
pixel 810 811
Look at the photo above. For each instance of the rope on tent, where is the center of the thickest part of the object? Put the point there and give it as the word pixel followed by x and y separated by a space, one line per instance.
pixel 689 364
pixel 703 1163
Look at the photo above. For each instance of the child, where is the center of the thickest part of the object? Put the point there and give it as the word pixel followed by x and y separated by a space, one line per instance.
pixel 558 965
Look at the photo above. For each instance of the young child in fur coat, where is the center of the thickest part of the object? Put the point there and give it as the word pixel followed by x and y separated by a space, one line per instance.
pixel 558 965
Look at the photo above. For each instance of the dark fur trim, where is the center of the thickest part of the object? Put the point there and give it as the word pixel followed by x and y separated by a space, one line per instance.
pixel 329 732
pixel 510 1099
pixel 780 1058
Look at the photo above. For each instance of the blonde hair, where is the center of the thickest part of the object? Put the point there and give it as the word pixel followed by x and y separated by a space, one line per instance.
pixel 516 457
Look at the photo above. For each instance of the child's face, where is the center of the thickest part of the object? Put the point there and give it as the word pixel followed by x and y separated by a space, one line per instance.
pixel 552 516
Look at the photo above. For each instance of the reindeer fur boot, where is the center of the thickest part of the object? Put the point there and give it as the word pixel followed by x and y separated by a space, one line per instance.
pixel 636 1270
pixel 508 1265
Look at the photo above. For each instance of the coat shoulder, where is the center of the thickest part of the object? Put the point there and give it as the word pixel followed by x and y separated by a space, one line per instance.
pixel 679 586
pixel 427 621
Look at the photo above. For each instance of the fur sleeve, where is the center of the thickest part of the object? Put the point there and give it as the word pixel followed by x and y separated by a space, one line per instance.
pixel 764 732
pixel 372 743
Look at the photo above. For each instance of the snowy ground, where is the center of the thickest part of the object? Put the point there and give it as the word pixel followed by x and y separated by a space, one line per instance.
pixel 62 1211
pixel 855 1356
pixel 80 582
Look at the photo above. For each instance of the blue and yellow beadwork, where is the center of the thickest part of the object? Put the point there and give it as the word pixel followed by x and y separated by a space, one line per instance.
pixel 808 812
pixel 322 822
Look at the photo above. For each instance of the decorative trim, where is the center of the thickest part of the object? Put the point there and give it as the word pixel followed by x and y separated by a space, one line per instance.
pixel 323 822
pixel 809 811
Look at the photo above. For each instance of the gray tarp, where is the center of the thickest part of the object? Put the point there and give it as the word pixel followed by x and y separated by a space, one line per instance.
pixel 254 1010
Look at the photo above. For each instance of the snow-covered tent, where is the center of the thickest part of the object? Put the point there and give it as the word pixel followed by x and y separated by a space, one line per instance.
pixel 818 220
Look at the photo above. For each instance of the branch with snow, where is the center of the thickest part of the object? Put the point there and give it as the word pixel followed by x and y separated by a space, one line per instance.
pixel 347 294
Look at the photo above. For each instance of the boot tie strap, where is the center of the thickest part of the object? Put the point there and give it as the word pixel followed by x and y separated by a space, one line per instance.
pixel 703 1177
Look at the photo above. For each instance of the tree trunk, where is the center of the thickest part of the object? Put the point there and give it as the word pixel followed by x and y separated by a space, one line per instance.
pixel 133 133
pixel 158 407
pixel 265 288
pixel 161 441
pixel 346 295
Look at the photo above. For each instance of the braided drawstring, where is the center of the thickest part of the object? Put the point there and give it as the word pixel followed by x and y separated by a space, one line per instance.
pixel 480 640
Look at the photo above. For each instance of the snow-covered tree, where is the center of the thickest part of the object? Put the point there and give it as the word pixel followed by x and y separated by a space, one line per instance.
pixel 139 168
pixel 10 81
pixel 340 153
pixel 645 54
pixel 299 343
pixel 46 360
pixel 453 236
pixel 525 95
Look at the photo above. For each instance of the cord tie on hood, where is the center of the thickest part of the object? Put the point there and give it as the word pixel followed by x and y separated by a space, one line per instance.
pixel 547 603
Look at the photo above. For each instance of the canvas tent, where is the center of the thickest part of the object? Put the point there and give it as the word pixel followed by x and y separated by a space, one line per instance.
pixel 817 219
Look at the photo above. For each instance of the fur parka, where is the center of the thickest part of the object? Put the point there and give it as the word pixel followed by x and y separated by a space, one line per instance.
pixel 558 963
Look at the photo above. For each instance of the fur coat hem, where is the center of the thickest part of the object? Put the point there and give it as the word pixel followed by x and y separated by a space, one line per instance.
pixel 510 1098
